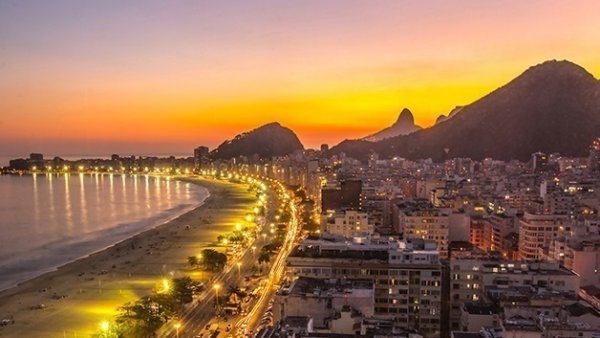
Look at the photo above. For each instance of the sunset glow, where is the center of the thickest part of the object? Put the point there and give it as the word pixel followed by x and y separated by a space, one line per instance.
pixel 158 78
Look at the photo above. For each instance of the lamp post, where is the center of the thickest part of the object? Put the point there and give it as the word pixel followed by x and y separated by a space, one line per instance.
pixel 177 326
pixel 217 287
pixel 104 326
pixel 239 266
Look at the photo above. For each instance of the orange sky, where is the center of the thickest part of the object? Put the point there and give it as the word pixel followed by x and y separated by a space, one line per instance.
pixel 166 76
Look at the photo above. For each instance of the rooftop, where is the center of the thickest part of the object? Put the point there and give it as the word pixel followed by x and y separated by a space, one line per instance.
pixel 295 321
pixel 318 286
pixel 464 334
pixel 480 309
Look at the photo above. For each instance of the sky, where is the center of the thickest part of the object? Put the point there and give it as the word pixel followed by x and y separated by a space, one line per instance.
pixel 162 77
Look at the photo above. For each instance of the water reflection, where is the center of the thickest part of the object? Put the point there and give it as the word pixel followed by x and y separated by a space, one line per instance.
pixel 83 201
pixel 43 219
pixel 36 202
pixel 68 211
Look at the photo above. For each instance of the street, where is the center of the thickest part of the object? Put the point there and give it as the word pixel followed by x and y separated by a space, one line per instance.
pixel 202 314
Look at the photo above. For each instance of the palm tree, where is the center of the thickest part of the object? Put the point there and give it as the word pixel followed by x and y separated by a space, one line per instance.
pixel 194 262
pixel 264 257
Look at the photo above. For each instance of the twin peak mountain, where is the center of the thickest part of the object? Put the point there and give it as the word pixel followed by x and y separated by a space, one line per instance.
pixel 552 107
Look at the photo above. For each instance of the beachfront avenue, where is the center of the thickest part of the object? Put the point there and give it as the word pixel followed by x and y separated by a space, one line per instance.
pixel 225 308
pixel 210 272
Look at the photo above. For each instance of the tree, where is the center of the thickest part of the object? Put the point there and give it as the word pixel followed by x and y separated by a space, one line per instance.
pixel 183 289
pixel 145 316
pixel 113 331
pixel 264 257
pixel 214 260
pixel 194 262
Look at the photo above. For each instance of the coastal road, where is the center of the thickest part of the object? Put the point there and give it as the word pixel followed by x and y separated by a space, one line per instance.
pixel 251 322
pixel 203 312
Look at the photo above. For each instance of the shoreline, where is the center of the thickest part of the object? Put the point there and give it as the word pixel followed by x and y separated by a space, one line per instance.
pixel 197 202
pixel 78 295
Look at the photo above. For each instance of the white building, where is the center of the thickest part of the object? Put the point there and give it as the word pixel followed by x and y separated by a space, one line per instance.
pixel 347 223
pixel 537 231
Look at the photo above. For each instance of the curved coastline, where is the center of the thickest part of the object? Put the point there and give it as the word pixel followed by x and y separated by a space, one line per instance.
pixel 77 295
pixel 69 250
pixel 115 234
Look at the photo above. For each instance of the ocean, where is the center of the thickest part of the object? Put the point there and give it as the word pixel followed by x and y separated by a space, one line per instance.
pixel 49 220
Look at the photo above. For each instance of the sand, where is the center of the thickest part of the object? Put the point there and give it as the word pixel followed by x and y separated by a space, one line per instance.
pixel 78 296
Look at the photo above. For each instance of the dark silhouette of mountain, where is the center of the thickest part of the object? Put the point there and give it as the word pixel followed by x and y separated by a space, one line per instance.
pixel 266 141
pixel 404 125
pixel 441 119
pixel 551 107
pixel 453 112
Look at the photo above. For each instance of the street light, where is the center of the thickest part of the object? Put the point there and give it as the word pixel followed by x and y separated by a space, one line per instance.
pixel 104 326
pixel 239 266
pixel 217 287
pixel 177 326
pixel 166 286
pixel 253 251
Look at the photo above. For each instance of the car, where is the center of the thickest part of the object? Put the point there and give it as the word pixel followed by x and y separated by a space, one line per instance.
pixel 207 327
pixel 228 328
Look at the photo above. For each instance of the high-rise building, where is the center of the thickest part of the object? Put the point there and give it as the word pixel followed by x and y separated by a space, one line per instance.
pixel 407 276
pixel 594 157
pixel 420 219
pixel 345 196
pixel 472 280
pixel 539 162
pixel 36 157
pixel 536 232
pixel 200 157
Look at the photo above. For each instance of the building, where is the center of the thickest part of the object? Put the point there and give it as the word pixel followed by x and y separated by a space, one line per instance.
pixel 346 223
pixel 346 195
pixel 539 162
pixel 580 255
pixel 498 226
pixel 536 233
pixel 474 316
pixel 594 157
pixel 325 298
pixel 420 219
pixel 201 158
pixel 474 279
pixel 407 276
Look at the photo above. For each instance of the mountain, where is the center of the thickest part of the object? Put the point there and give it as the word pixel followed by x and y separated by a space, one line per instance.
pixel 405 124
pixel 551 107
pixel 266 141
pixel 441 119
pixel 453 112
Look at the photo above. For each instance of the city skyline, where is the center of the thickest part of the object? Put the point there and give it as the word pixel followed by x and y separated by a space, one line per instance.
pixel 160 79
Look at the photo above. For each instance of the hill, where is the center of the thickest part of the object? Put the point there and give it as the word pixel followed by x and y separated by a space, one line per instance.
pixel 404 125
pixel 266 141
pixel 551 107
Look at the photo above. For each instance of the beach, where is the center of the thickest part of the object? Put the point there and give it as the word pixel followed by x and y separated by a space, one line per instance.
pixel 74 299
